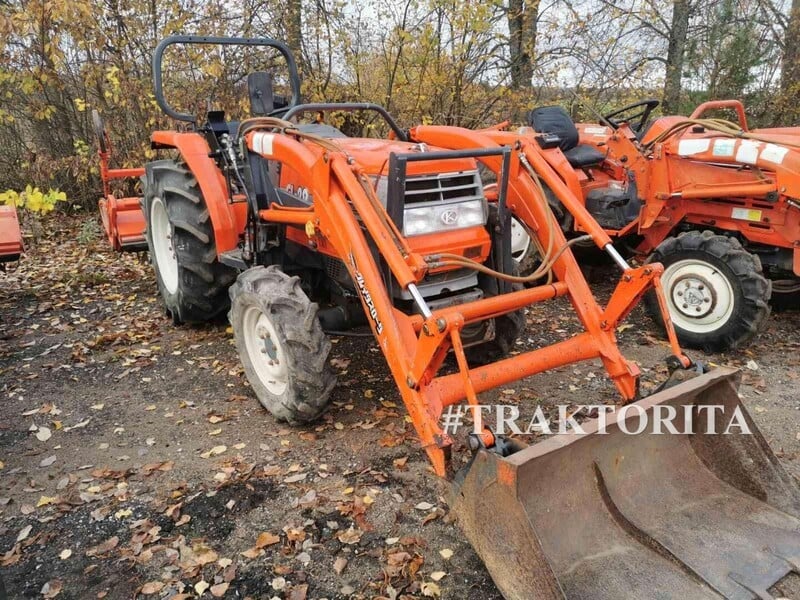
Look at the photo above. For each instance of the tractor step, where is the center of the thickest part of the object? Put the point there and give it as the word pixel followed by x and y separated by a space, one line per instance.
pixel 233 258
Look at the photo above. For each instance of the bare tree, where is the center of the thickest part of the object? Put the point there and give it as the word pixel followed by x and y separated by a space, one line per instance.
pixel 522 25
pixel 681 13
pixel 790 65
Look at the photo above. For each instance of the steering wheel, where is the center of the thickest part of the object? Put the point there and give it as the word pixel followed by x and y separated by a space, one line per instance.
pixel 635 115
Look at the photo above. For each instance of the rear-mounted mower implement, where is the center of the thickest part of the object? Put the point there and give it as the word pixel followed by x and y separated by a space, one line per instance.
pixel 10 234
pixel 324 231
pixel 122 218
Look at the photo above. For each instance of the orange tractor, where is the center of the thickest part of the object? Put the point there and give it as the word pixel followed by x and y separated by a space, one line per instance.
pixel 10 235
pixel 295 228
pixel 716 203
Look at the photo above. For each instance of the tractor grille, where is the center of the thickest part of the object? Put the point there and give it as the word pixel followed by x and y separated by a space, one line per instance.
pixel 444 187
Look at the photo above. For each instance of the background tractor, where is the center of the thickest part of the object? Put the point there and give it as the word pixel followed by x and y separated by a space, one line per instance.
pixel 297 229
pixel 711 200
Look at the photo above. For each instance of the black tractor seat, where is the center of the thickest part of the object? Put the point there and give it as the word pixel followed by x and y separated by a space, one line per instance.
pixel 555 120
pixel 321 129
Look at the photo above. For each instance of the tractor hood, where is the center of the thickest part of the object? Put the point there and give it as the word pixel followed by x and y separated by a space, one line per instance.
pixel 373 156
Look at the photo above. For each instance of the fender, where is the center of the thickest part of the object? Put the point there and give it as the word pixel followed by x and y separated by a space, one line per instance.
pixel 228 224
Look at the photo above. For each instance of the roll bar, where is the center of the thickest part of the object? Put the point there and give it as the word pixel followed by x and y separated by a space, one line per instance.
pixel 158 54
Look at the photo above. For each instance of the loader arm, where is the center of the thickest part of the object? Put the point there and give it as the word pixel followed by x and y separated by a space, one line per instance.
pixel 345 216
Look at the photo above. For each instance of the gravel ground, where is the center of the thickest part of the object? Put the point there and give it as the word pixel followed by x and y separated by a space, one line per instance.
pixel 136 461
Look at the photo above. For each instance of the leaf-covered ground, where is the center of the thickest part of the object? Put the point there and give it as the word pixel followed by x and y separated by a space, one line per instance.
pixel 136 462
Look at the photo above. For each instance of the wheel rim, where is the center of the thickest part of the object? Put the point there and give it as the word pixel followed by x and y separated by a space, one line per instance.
pixel 520 240
pixel 701 298
pixel 265 351
pixel 161 235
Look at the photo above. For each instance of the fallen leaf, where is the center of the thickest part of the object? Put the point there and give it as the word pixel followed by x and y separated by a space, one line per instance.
pixel 65 554
pixel 43 434
pixel 201 586
pixel 52 588
pixel 45 500
pixel 278 584
pixel 266 539
pixel 339 565
pixel 424 506
pixel 83 423
pixel 252 552
pixel 152 587
pixel 218 591
pixel 24 533
pixel 446 553
pixel 215 451
pixel 437 575
pixel 350 536
pixel 46 462
pixel 430 590
pixel 103 547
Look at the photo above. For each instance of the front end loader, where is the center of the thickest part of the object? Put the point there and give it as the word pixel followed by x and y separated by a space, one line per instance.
pixel 297 229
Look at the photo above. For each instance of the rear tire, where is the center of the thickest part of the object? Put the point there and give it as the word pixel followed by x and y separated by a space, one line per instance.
pixel 180 238
pixel 281 344
pixel 718 297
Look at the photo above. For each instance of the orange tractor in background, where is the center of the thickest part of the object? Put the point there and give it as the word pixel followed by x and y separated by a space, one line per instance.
pixel 10 235
pixel 716 203
pixel 296 229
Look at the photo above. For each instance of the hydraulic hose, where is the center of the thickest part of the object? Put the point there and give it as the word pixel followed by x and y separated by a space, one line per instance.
pixel 723 126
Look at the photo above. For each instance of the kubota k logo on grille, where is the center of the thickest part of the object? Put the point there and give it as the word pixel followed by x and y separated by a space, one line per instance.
pixel 449 217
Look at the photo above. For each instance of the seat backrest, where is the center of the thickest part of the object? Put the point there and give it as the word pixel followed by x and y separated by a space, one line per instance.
pixel 262 98
pixel 555 120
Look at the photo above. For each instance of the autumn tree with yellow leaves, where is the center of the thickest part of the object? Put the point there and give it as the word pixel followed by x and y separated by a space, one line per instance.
pixel 460 62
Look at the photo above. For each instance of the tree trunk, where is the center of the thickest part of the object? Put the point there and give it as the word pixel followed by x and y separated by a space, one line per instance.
pixel 790 65
pixel 675 52
pixel 294 30
pixel 522 23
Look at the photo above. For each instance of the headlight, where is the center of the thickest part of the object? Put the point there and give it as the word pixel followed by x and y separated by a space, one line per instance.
pixel 461 202
pixel 431 218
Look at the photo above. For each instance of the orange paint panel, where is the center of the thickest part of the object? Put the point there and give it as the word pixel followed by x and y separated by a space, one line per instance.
pixel 10 234
pixel 194 151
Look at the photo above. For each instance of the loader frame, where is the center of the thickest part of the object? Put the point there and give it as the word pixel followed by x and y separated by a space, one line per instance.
pixel 415 345
pixel 346 220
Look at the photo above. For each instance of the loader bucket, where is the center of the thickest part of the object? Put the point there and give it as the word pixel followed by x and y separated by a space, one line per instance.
pixel 592 515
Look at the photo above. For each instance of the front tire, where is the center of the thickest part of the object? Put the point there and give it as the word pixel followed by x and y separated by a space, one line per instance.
pixel 180 238
pixel 281 344
pixel 718 297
